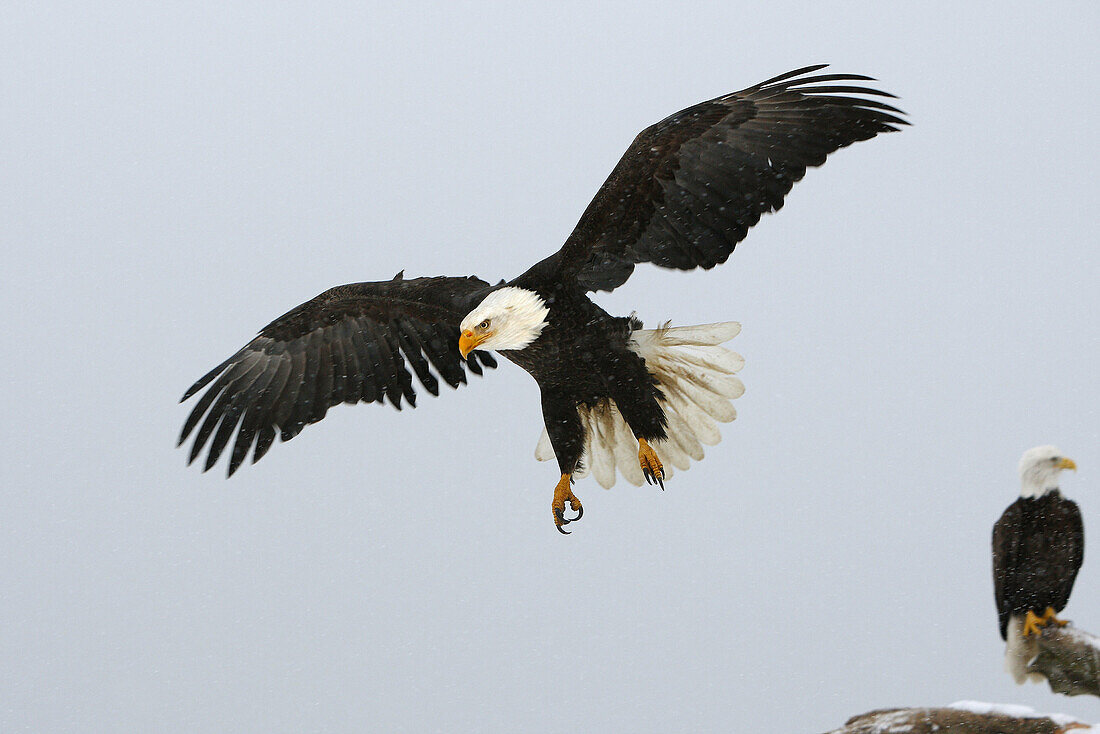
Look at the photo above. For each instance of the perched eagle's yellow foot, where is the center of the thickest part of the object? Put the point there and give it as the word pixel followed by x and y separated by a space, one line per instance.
pixel 563 494
pixel 652 468
pixel 1049 618
pixel 1033 624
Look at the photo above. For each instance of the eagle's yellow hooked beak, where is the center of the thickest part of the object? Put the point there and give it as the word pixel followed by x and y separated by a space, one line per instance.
pixel 1067 463
pixel 468 341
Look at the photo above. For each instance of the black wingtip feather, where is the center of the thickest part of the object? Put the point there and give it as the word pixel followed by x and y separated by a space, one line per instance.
pixel 264 439
pixel 788 75
pixel 205 379
pixel 843 89
pixel 832 78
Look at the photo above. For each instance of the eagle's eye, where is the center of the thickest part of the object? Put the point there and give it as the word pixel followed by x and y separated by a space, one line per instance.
pixel 483 325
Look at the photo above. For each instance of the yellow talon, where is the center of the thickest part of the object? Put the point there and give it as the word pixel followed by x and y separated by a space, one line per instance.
pixel 1050 618
pixel 562 494
pixel 1033 624
pixel 652 468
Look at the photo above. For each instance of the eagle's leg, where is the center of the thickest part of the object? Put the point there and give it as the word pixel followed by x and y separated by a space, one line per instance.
pixel 562 494
pixel 652 468
pixel 1050 618
pixel 638 399
pixel 566 431
pixel 1033 624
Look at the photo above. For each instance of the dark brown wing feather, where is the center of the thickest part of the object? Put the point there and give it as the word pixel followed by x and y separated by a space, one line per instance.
pixel 1006 561
pixel 689 188
pixel 1072 548
pixel 351 344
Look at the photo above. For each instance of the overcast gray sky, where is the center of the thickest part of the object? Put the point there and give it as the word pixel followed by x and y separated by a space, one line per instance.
pixel 922 310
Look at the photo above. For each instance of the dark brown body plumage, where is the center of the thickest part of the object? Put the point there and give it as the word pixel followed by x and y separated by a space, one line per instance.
pixel 1038 547
pixel 583 358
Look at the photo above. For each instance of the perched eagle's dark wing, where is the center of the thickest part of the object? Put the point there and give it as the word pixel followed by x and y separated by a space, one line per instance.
pixel 690 187
pixel 349 344
pixel 1070 554
pixel 1007 543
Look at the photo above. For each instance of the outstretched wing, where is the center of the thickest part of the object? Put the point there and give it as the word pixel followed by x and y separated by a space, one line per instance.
pixel 690 187
pixel 348 345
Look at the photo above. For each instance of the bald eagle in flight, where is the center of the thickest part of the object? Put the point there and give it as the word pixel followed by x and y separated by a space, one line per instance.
pixel 683 195
pixel 1038 547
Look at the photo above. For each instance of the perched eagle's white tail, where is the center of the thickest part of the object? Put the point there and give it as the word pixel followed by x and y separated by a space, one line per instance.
pixel 1020 651
pixel 698 379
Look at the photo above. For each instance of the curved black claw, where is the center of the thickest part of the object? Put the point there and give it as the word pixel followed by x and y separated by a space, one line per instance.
pixel 561 520
pixel 651 478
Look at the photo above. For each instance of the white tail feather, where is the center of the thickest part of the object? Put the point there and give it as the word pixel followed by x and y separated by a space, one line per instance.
pixel 680 434
pixel 703 335
pixel 697 377
pixel 1020 651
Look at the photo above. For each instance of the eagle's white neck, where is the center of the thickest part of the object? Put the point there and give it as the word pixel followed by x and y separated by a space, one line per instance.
pixel 1038 483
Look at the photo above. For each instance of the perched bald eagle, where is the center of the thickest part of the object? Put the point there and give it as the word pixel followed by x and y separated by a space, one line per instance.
pixel 683 195
pixel 1038 546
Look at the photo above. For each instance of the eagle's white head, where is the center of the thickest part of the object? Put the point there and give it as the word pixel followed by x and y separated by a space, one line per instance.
pixel 509 318
pixel 1039 470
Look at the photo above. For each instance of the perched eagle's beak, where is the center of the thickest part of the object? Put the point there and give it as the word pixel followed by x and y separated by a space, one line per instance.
pixel 467 342
pixel 1067 464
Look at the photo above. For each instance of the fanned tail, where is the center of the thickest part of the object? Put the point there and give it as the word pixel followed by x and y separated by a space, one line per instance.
pixel 698 378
